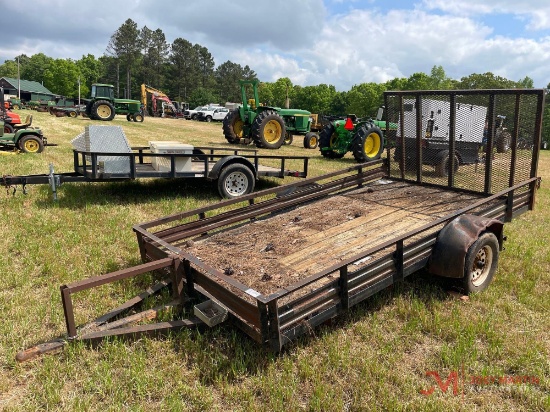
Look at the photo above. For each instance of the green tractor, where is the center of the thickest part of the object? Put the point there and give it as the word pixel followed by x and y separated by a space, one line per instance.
pixel 363 137
pixel 266 126
pixel 29 140
pixel 25 138
pixel 103 106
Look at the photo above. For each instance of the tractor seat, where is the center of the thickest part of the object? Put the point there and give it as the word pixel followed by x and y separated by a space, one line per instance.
pixel 28 122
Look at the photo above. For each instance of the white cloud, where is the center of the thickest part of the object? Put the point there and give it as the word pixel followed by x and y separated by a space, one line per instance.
pixel 536 12
pixel 299 40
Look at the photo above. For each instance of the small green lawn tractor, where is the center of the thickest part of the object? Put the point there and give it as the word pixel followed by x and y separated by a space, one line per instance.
pixel 266 126
pixel 363 137
pixel 25 138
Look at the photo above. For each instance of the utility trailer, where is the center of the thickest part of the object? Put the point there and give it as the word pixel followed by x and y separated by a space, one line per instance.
pixel 279 262
pixel 472 126
pixel 112 159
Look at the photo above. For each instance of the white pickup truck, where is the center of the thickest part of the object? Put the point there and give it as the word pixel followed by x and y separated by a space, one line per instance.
pixel 192 114
pixel 212 113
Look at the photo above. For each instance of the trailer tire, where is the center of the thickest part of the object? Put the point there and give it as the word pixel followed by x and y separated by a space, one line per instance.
pixel 442 166
pixel 268 130
pixel 326 140
pixel 480 263
pixel 368 144
pixel 233 127
pixel 235 180
pixel 31 144
pixel 103 110
pixel 138 117
pixel 311 140
pixel 504 142
pixel 288 139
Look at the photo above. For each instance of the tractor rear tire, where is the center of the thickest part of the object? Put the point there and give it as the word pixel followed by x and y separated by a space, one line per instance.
pixel 103 110
pixel 368 144
pixel 442 167
pixel 8 128
pixel 326 140
pixel 31 144
pixel 233 127
pixel 268 130
pixel 311 140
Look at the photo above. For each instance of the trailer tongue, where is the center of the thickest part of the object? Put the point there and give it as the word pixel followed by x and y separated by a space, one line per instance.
pixel 279 262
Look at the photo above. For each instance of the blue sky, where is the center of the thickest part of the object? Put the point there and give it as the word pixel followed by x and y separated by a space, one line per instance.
pixel 310 41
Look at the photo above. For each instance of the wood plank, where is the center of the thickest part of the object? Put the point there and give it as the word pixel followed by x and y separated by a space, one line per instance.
pixel 333 253
pixel 359 228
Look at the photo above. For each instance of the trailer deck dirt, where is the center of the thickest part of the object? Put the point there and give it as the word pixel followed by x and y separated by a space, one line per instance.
pixel 275 252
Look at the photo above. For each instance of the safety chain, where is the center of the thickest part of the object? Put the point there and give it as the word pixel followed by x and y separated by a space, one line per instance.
pixel 8 186
pixel 13 187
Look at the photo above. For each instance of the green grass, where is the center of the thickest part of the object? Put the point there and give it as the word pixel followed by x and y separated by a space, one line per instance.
pixel 375 357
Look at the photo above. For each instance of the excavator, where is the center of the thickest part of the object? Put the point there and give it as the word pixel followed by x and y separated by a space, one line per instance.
pixel 161 105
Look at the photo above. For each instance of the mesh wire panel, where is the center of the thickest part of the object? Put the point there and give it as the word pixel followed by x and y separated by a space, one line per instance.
pixel 480 140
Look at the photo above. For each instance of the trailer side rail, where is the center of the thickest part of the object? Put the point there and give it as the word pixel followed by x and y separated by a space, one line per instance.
pixel 89 164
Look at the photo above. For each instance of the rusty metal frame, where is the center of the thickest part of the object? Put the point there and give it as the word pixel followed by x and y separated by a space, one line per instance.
pixel 112 324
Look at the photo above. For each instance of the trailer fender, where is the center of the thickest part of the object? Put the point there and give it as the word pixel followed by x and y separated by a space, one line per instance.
pixel 226 161
pixel 454 240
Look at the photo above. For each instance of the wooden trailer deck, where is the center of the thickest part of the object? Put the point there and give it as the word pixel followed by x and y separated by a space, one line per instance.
pixel 273 253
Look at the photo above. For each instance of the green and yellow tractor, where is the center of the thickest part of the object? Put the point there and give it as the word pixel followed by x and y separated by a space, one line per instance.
pixel 19 136
pixel 102 105
pixel 363 137
pixel 266 126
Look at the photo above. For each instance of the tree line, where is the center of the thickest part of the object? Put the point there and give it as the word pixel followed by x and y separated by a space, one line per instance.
pixel 187 72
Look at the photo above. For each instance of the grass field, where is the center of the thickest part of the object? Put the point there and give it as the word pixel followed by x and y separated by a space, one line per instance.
pixel 384 354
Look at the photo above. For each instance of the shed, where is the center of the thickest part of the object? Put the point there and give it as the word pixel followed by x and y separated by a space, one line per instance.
pixel 30 90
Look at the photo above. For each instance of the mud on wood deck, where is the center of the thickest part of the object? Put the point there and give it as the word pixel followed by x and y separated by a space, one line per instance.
pixel 278 251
